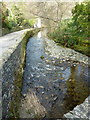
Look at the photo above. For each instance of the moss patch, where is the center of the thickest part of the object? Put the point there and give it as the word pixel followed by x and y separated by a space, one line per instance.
pixel 42 57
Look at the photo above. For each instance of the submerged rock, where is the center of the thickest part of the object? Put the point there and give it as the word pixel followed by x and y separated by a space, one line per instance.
pixel 31 107
pixel 42 92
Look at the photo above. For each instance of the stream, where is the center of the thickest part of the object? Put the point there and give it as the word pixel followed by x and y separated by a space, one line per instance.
pixel 59 87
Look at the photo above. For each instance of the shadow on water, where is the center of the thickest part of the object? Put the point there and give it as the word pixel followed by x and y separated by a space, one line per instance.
pixel 60 87
pixel 77 89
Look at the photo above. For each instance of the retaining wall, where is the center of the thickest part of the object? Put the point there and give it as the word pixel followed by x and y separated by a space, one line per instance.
pixel 12 58
pixel 80 112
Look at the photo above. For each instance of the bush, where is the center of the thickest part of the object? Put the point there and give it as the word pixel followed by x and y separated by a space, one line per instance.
pixel 13 19
pixel 74 32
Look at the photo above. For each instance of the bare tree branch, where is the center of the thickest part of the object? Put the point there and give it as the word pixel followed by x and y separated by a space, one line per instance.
pixel 44 17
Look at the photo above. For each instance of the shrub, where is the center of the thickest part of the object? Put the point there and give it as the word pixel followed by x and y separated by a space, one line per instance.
pixel 75 32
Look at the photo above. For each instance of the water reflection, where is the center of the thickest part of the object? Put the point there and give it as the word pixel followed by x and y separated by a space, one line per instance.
pixel 39 35
pixel 77 90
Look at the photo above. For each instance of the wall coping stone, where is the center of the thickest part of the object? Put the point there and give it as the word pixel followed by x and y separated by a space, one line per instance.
pixel 8 44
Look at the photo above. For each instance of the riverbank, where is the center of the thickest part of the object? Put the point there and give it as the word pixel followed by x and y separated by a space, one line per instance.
pixel 65 54
pixel 12 58
pixel 80 111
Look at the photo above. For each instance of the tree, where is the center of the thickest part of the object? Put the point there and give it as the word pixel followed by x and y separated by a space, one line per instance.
pixel 7 19
pixel 81 18
pixel 18 15
pixel 51 13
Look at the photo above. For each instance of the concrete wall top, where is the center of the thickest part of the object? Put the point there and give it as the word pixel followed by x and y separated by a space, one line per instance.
pixel 8 44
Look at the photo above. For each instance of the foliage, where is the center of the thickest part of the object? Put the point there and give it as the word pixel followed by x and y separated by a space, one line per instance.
pixel 18 15
pixel 63 34
pixel 74 33
pixel 81 19
pixel 29 23
pixel 5 15
pixel 14 18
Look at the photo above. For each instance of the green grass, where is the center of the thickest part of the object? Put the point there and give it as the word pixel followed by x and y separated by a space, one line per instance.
pixel 83 49
pixel 81 46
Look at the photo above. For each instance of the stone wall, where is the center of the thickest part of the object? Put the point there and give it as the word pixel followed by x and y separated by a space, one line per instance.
pixel 12 57
pixel 65 54
pixel 80 112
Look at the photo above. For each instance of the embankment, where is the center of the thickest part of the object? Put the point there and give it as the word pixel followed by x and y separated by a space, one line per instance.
pixel 12 60
pixel 80 111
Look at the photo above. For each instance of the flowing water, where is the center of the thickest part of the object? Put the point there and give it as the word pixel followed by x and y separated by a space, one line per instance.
pixel 59 87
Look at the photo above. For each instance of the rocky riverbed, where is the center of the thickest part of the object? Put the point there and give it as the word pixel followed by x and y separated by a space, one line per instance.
pixel 65 54
pixel 81 111
pixel 57 81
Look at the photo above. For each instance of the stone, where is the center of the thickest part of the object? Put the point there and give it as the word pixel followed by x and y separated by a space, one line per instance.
pixel 74 65
pixel 42 92
pixel 80 111
pixel 32 107
pixel 24 95
pixel 62 68
pixel 66 53
pixel 55 98
pixel 29 78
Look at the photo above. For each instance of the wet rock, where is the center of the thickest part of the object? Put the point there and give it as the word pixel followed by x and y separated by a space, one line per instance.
pixel 24 95
pixel 48 89
pixel 43 93
pixel 67 59
pixel 32 107
pixel 48 61
pixel 70 80
pixel 39 87
pixel 4 96
pixel 47 65
pixel 64 60
pixel 28 83
pixel 28 64
pixel 52 95
pixel 62 68
pixel 55 98
pixel 29 78
pixel 62 78
pixel 32 75
pixel 55 81
pixel 74 65
pixel 48 68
